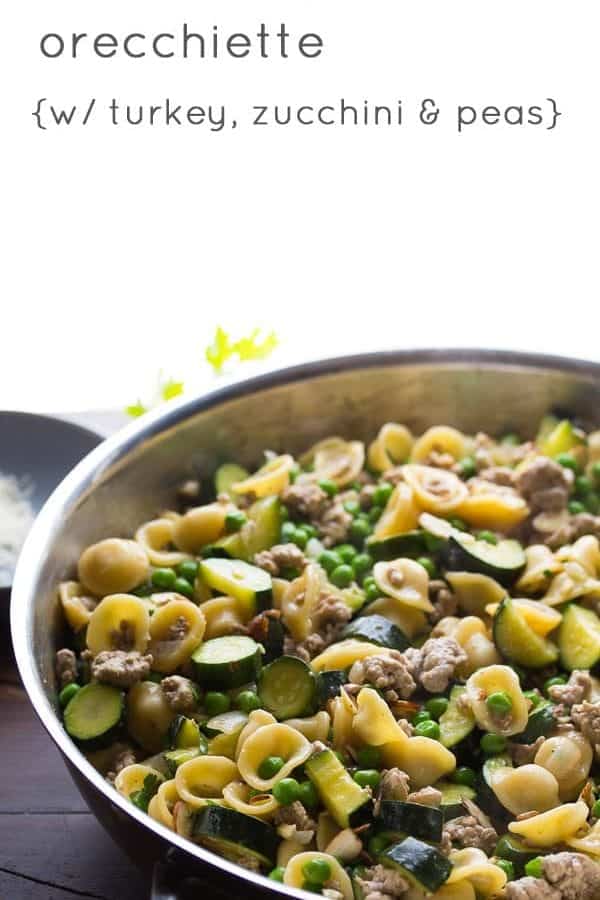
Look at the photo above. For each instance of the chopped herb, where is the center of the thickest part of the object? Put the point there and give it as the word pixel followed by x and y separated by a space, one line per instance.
pixel 142 798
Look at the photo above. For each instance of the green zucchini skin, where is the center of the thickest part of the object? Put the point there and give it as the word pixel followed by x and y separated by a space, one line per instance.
pixel 479 557
pixel 329 684
pixel 517 641
pixel 227 475
pixel 540 723
pixel 453 797
pixel 93 717
pixel 412 544
pixel 240 663
pixel 457 722
pixel 268 630
pixel 175 758
pixel 579 638
pixel 348 804
pixel 287 688
pixel 184 734
pixel 415 819
pixel 421 863
pixel 510 847
pixel 377 630
pixel 233 835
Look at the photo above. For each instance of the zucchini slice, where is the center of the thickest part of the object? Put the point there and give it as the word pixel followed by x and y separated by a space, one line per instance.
pixel 348 804
pixel 329 684
pixel 377 630
pixel 225 723
pixel 260 532
pixel 270 633
pixel 518 642
pixel 501 761
pixel 287 688
pixel 227 662
pixel 228 474
pixel 561 438
pixel 540 723
pixel 511 847
pixel 235 578
pixel 579 638
pixel 175 758
pixel 235 836
pixel 184 734
pixel 412 544
pixel 421 864
pixel 503 561
pixel 453 799
pixel 457 721
pixel 415 819
pixel 94 713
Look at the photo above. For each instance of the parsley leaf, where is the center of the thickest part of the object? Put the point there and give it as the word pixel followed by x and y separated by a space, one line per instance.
pixel 247 348
pixel 220 350
pixel 136 409
pixel 171 389
pixel 251 348
pixel 142 798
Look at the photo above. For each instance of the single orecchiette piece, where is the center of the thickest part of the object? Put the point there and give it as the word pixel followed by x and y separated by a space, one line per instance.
pixel 156 538
pixel 408 619
pixel 343 654
pixel 589 842
pixel 315 728
pixel 391 447
pixel 473 637
pixel 76 606
pixel 162 804
pixel 131 778
pixel 119 622
pixel 149 715
pixel 585 551
pixel 472 865
pixel 327 828
pixel 343 710
pixel 490 680
pixel 113 566
pixel 224 615
pixel 406 581
pixel 176 629
pixel 487 506
pixel 335 459
pixel 442 440
pixel 460 890
pixel 200 526
pixel 474 592
pixel 204 778
pixel 423 759
pixel 529 787
pixel 374 723
pixel 573 582
pixel 541 565
pixel 272 740
pixel 436 490
pixel 553 827
pixel 271 478
pixel 300 600
pixel 338 880
pixel 569 757
pixel 288 848
pixel 401 513
pixel 239 796
pixel 256 720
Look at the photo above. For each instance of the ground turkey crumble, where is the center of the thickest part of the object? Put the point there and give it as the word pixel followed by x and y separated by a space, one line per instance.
pixel 566 876
pixel 330 615
pixel 293 821
pixel 574 691
pixel 545 485
pixel 466 831
pixel 122 756
pixel 66 667
pixel 388 673
pixel 586 717
pixel 281 556
pixel 180 693
pixel 379 883
pixel 574 527
pixel 428 796
pixel 121 669
pixel 307 500
pixel 443 601
pixel 435 664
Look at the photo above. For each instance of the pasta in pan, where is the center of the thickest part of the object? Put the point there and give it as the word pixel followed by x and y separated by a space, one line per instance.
pixel 365 674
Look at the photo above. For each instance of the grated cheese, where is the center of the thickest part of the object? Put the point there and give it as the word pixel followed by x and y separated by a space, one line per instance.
pixel 16 518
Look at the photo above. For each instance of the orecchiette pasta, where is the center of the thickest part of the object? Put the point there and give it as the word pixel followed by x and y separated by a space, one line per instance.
pixel 272 740
pixel 541 565
pixel 239 796
pixel 391 447
pixel 224 615
pixel 288 848
pixel 406 581
pixel 373 722
pixel 573 582
pixel 76 606
pixel 315 728
pixel 157 538
pixel 474 592
pixel 585 551
pixel 271 478
pixel 530 787
pixel 400 515
pixel 119 622
pixel 162 804
pixel 300 600
pixel 436 490
pixel 327 828
pixel 256 720
pixel 589 842
pixel 338 881
pixel 204 778
pixel 408 619
pixel 487 506
pixel 569 758
pixel 131 778
pixel 113 566
pixel 343 654
pixel 442 440
pixel 472 865
pixel 491 680
pixel 176 629
pixel 553 827
pixel 343 710
pixel 200 526
pixel 472 636
pixel 424 760
pixel 337 460
pixel 148 715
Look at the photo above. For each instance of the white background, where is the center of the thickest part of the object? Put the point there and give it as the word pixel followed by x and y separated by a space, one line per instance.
pixel 123 248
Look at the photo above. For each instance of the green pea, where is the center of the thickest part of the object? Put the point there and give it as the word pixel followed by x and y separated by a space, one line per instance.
pixel 367 778
pixel 369 758
pixel 352 507
pixel 247 701
pixel 67 693
pixel 330 487
pixel 488 536
pixel 368 582
pixel 346 552
pixel 533 697
pixel 216 703
pixel 182 586
pixel 360 530
pixel 329 560
pixel 377 844
pixel 361 564
pixel 493 743
pixel 467 467
pixel 507 867
pixel 428 564
pixel 596 809
pixel 499 703
pixel 459 524
pixel 464 775
pixel 583 485
pixel 558 679
pixel 535 867
pixel 309 530
pixel 374 514
pixel 188 569
pixel 342 576
pixel 300 538
pixel 286 791
pixel 575 507
pixel 372 593
pixel 595 471
pixel 313 887
pixel 288 530
pixel 163 578
pixel 436 706
pixel 234 521
pixel 308 794
pixel 429 729
pixel 317 870
pixel 567 461
pixel 422 715
pixel 277 873
pixel 382 493
pixel 270 766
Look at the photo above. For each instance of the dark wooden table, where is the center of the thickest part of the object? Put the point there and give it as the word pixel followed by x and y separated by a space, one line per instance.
pixel 51 847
